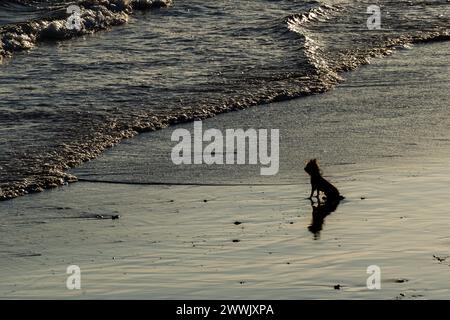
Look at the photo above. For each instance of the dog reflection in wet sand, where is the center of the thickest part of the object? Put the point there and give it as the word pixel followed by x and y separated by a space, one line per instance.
pixel 331 197
pixel 320 211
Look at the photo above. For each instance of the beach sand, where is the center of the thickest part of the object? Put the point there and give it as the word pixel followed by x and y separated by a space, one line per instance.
pixel 382 138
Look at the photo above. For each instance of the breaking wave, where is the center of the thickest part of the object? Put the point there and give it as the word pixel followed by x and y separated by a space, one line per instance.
pixel 50 19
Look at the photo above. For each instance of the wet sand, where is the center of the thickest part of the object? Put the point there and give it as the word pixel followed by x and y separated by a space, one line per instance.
pixel 383 139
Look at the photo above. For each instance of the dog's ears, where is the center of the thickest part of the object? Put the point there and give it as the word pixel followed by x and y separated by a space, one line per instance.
pixel 312 160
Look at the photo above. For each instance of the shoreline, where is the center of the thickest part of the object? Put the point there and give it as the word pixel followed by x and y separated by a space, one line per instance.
pixel 57 174
pixel 313 126
pixel 391 164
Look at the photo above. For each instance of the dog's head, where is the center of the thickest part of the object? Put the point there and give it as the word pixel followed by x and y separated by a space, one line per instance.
pixel 312 167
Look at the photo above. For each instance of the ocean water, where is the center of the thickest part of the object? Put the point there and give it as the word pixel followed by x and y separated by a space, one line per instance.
pixel 141 65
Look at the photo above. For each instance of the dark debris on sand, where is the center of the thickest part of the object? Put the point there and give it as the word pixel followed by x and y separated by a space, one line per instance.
pixel 440 259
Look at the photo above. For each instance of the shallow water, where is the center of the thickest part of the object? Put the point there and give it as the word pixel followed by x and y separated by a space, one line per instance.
pixel 64 102
pixel 381 114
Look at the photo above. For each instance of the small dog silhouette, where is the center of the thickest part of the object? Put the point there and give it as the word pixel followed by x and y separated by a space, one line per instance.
pixel 318 183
